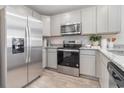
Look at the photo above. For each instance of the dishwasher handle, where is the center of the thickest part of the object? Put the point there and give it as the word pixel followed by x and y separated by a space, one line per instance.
pixel 114 75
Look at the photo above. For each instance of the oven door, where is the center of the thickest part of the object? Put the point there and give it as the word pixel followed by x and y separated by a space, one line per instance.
pixel 68 58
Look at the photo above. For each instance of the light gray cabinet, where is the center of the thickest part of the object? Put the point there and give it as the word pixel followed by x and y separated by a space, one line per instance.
pixel 108 19
pixel 98 65
pixel 71 17
pixel 114 18
pixel 87 62
pixel 46 25
pixel 62 19
pixel 102 19
pixel 55 25
pixel 44 57
pixel 88 20
pixel 101 70
pixel 52 58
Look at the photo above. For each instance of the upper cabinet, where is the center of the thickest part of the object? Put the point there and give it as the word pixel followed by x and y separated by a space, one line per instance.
pixel 55 25
pixel 102 19
pixel 46 25
pixel 88 20
pixel 108 19
pixel 114 17
pixel 71 17
pixel 62 19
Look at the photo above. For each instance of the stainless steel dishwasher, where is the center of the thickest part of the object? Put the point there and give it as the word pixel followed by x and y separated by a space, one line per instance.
pixel 116 76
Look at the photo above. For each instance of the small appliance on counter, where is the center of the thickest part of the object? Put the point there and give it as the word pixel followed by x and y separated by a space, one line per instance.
pixel 68 58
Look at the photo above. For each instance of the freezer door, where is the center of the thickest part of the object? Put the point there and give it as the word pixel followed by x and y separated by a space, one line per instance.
pixel 35 53
pixel 16 50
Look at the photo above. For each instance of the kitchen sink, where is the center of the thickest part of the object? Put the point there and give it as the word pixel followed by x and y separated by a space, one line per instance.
pixel 117 52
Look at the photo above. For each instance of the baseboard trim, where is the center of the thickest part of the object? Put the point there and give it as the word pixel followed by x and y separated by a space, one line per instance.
pixel 89 77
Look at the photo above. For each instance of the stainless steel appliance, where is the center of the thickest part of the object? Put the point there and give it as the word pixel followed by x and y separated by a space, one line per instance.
pixel 70 29
pixel 116 76
pixel 22 39
pixel 68 58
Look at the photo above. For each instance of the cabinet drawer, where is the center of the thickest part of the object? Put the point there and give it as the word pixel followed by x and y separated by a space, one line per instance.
pixel 87 52
pixel 52 50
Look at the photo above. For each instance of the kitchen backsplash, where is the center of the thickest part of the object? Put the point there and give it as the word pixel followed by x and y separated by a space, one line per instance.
pixel 59 40
pixel 84 39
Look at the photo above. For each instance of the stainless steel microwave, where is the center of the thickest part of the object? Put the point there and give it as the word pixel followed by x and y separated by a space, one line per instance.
pixel 71 29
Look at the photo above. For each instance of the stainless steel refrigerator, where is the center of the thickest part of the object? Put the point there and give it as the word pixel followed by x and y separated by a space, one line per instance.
pixel 23 49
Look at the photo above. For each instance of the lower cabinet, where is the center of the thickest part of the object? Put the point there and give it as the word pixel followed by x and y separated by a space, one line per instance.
pixel 104 76
pixel 44 59
pixel 94 63
pixel 52 58
pixel 101 70
pixel 87 62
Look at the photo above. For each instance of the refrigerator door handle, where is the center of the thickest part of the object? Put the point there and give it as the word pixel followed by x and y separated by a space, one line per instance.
pixel 26 39
pixel 29 31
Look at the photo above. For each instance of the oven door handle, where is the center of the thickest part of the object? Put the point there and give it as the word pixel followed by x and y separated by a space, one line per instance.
pixel 68 50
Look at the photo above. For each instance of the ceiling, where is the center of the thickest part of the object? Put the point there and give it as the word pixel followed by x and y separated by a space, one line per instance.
pixel 55 9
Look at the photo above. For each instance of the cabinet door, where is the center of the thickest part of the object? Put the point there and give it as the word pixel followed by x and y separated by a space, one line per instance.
pixel 102 19
pixel 104 75
pixel 71 17
pixel 114 18
pixel 46 25
pixel 88 20
pixel 52 60
pixel 87 65
pixel 55 25
pixel 44 58
pixel 98 61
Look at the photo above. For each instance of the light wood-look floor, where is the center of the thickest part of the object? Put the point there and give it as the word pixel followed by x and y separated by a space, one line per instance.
pixel 52 79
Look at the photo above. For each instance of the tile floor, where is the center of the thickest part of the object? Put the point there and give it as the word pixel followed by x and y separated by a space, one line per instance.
pixel 52 79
